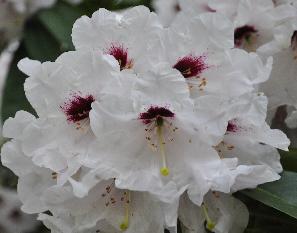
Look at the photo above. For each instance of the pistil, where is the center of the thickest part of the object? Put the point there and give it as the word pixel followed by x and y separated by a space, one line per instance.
pixel 164 169
pixel 210 225
pixel 125 223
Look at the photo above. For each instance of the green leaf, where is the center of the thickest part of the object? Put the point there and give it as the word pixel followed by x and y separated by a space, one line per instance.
pixel 289 160
pixel 281 195
pixel 59 21
pixel 39 43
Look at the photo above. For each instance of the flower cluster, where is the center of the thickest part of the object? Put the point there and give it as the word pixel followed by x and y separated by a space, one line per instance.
pixel 144 123
pixel 267 27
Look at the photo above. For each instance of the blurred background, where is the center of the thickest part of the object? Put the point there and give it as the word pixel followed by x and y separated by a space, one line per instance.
pixel 45 34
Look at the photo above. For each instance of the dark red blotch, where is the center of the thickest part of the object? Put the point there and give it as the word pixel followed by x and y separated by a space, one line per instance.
pixel 155 112
pixel 191 66
pixel 78 107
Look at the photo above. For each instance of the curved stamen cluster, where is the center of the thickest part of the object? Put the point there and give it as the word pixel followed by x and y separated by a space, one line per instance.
pixel 121 55
pixel 244 34
pixel 191 66
pixel 78 107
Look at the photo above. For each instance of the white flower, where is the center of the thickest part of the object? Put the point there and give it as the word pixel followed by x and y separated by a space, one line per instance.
pixel 133 38
pixel 122 210
pixel 33 181
pixel 163 141
pixel 219 213
pixel 256 20
pixel 38 192
pixel 62 93
pixel 200 48
pixel 247 129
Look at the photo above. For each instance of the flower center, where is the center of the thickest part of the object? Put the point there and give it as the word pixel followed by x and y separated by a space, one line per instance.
pixel 232 127
pixel 155 114
pixel 157 118
pixel 121 55
pixel 244 35
pixel 78 107
pixel 191 66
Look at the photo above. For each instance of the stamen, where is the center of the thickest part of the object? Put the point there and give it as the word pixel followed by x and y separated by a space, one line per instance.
pixel 164 169
pixel 210 225
pixel 125 224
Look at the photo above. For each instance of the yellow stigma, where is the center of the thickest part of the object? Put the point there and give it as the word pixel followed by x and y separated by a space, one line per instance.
pixel 164 170
pixel 125 224
pixel 210 225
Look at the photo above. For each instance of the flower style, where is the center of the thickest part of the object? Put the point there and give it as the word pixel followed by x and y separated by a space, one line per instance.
pixel 219 213
pixel 133 37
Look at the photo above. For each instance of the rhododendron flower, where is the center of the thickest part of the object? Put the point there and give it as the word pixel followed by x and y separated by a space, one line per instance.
pixel 39 192
pixel 247 129
pixel 132 38
pixel 205 59
pixel 121 210
pixel 62 93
